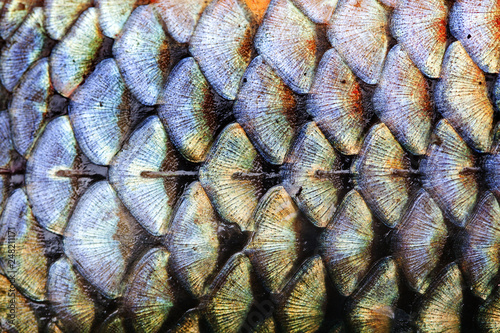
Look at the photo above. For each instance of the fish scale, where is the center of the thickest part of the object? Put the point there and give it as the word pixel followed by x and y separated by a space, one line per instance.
pixel 249 166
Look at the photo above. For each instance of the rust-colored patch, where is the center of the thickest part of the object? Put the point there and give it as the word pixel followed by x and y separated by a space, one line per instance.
pixel 258 8
pixel 164 57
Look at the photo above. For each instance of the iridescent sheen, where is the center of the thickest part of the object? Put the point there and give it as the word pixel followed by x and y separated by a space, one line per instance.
pixel 475 24
pixel 149 296
pixel 222 45
pixel 448 174
pixel 317 11
pixel 346 243
pixel 102 238
pixel 192 240
pixel 100 112
pixel 335 102
pixel 22 248
pixel 72 58
pixel 113 14
pixel 61 14
pixel 488 314
pixel 492 161
pixel 29 108
pixel 419 241
pixel 371 308
pixel 70 297
pixel 479 251
pixel 275 245
pixel 403 103
pixel 265 108
pixel 234 198
pixel 462 97
pixel 188 110
pixel 358 30
pixel 22 49
pixel 151 200
pixel 315 193
pixel 441 309
pixel 21 319
pixel 303 308
pixel 231 298
pixel 14 12
pixel 189 323
pixel 181 17
pixel 381 172
pixel 420 27
pixel 287 41
pixel 52 196
pixel 143 55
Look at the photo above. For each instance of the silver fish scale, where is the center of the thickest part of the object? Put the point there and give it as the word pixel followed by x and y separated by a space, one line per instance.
pixel 249 166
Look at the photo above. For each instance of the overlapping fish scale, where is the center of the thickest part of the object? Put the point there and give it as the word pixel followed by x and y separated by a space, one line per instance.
pixel 222 45
pixel 236 164
pixel 142 52
pixel 73 57
pixel 287 40
pixel 22 49
pixel 30 106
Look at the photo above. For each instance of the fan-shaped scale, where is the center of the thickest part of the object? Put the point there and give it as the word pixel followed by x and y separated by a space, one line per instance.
pixel 287 41
pixel 101 239
pixel 475 24
pixel 149 296
pixel 222 45
pixel 419 241
pixel 61 14
pixel 151 200
pixel 420 27
pixel 265 108
pixel 312 154
pixel 22 49
pixel 142 54
pixel 231 297
pixel 187 109
pixel 70 297
pixel 335 102
pixel 359 32
pixel 100 113
pixel 446 176
pixel 29 108
pixel 192 240
pixel 462 97
pixel 479 251
pixel 22 248
pixel 371 308
pixel 52 196
pixel 381 173
pixel 303 308
pixel 346 243
pixel 441 308
pixel 275 245
pixel 73 57
pixel 402 101
pixel 234 198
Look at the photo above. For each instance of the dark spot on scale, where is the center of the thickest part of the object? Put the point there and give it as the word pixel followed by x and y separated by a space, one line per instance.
pixel 298 192
pixel 343 81
pixel 244 80
pixel 469 36
pixel 100 104
pixel 305 73
pixel 480 83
